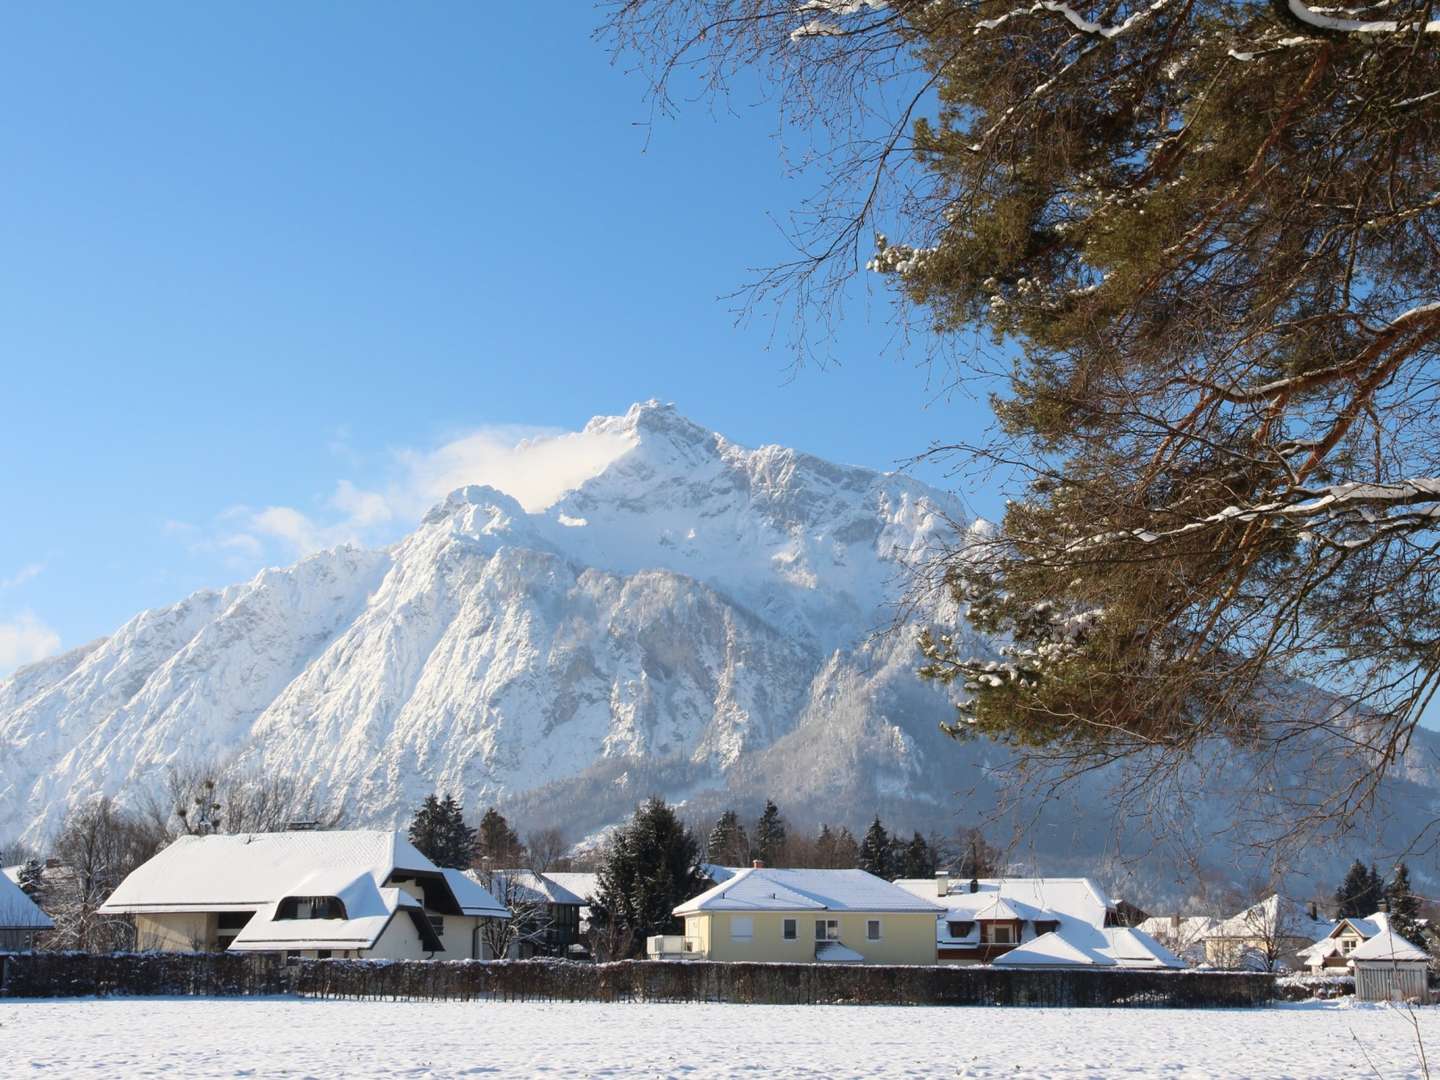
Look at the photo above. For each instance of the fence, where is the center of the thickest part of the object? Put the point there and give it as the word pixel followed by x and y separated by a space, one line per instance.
pixel 75 974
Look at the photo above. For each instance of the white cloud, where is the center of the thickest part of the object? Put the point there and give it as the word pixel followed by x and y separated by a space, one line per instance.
pixel 24 574
pixel 23 640
pixel 535 466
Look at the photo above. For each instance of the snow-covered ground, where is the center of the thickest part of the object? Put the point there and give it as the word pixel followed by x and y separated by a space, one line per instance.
pixel 191 1038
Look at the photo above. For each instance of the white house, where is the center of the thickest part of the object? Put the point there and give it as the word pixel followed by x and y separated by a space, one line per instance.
pixel 1033 922
pixel 1332 952
pixel 1267 936
pixel 1184 935
pixel 21 920
pixel 353 893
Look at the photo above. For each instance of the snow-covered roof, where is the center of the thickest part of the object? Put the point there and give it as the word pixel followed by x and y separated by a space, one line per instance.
pixel 18 911
pixel 575 882
pixel 1077 898
pixel 764 888
pixel 545 887
pixel 1184 929
pixel 368 910
pixel 245 871
pixel 1389 945
pixel 473 898
pixel 1084 946
pixel 832 952
pixel 1275 916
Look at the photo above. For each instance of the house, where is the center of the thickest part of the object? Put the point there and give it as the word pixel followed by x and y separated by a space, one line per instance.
pixel 1331 954
pixel 21 921
pixel 354 893
pixel 556 915
pixel 1183 935
pixel 1389 967
pixel 802 916
pixel 1033 922
pixel 1267 936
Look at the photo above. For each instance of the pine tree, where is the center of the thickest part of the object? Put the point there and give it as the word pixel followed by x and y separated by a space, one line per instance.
pixel 497 845
pixel 425 828
pixel 847 850
pixel 875 855
pixel 649 868
pixel 728 845
pixel 1360 893
pixel 770 835
pixel 1405 908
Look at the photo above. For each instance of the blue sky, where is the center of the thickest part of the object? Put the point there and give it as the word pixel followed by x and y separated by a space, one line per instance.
pixel 262 260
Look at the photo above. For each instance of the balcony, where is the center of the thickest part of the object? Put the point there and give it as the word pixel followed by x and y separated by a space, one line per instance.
pixel 673 947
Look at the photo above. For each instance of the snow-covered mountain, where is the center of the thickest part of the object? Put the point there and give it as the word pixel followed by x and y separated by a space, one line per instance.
pixel 696 620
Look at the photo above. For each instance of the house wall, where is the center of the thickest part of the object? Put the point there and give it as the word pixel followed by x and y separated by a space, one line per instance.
pixel 906 938
pixel 459 938
pixel 175 931
pixel 697 928
pixel 400 941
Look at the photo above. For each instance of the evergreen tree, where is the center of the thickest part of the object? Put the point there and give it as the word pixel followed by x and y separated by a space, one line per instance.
pixel 650 866
pixel 1360 893
pixel 455 841
pixel 917 859
pixel 497 845
pixel 847 850
pixel 875 854
pixel 31 878
pixel 1206 234
pixel 728 844
pixel 1405 908
pixel 425 828
pixel 770 835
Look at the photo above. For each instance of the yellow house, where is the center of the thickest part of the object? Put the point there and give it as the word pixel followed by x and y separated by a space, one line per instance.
pixel 803 916
pixel 346 893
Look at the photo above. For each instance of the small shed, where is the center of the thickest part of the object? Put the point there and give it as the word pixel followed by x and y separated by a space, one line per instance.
pixel 1388 967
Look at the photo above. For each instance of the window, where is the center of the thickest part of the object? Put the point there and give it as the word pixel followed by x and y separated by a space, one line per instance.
pixel 322 954
pixel 1046 926
pixel 437 923
pixel 232 920
pixel 1000 934
pixel 959 928
pixel 789 930
pixel 827 929
pixel 1347 945
pixel 742 928
pixel 872 929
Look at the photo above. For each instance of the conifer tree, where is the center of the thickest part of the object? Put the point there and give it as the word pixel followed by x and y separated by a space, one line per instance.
pixel 847 850
pixel 425 828
pixel 31 878
pixel 1405 908
pixel 497 845
pixel 1208 233
pixel 1360 892
pixel 770 835
pixel 455 840
pixel 917 858
pixel 728 845
pixel 875 853
pixel 650 866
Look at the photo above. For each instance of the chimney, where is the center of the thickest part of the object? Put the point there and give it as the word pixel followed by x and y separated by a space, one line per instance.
pixel 974 884
pixel 1384 905
pixel 1175 925
pixel 942 883
pixel 758 864
pixel 1314 912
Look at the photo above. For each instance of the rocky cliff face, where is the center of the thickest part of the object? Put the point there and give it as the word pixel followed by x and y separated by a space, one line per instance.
pixel 697 620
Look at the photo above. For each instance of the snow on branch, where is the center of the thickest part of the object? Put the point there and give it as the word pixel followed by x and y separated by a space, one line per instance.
pixel 1082 24
pixel 1321 21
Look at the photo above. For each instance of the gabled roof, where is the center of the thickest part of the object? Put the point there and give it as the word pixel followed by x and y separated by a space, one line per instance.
pixel 1052 950
pixel 368 910
pixel 1275 916
pixel 1117 946
pixel 575 882
pixel 1077 898
pixel 473 898
pixel 1389 945
pixel 764 888
pixel 542 887
pixel 18 911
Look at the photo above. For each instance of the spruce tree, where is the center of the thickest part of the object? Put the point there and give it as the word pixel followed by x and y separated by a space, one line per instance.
pixel 425 828
pixel 455 841
pixel 1405 908
pixel 728 845
pixel 875 854
pixel 1360 892
pixel 847 850
pixel 917 858
pixel 650 867
pixel 770 835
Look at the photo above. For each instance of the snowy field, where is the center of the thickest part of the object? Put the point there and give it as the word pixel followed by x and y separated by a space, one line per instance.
pixel 188 1038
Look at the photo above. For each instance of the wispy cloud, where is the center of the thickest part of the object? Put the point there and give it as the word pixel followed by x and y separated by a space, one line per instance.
pixel 24 574
pixel 535 466
pixel 23 640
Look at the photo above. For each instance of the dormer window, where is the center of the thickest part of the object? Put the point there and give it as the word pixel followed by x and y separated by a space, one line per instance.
pixel 310 907
pixel 959 928
pixel 1046 926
